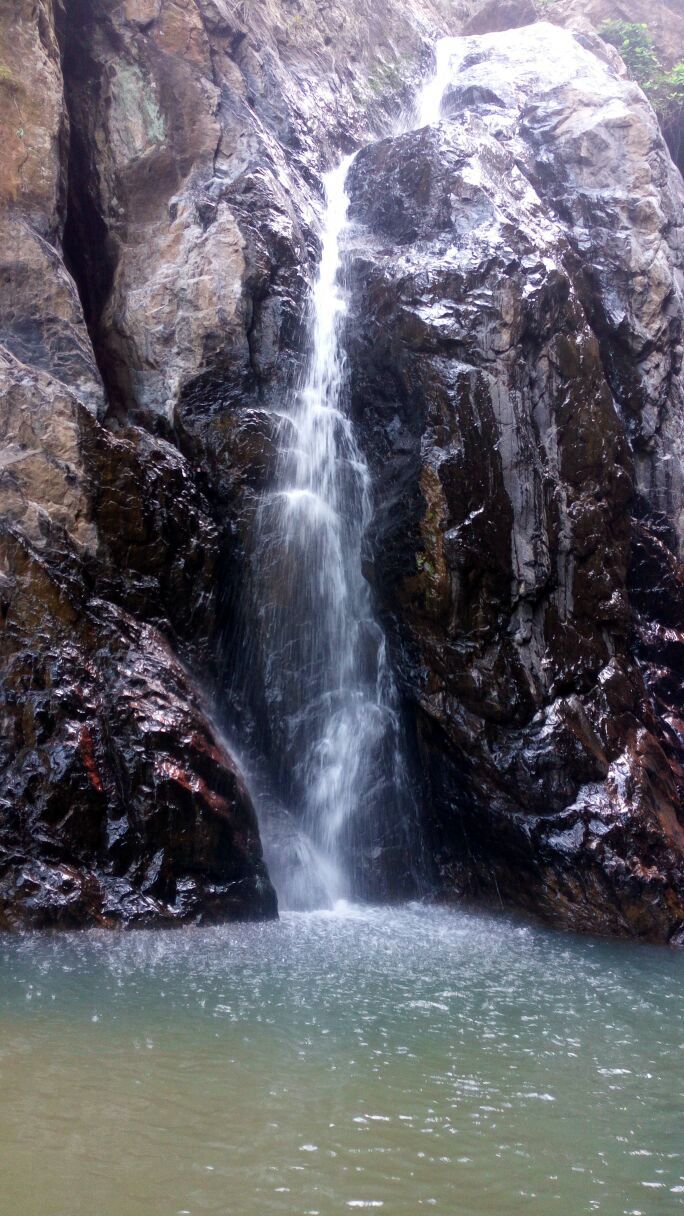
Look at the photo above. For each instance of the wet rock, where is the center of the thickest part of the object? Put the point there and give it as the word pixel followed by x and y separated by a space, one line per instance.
pixel 41 322
pixel 158 546
pixel 119 802
pixel 498 15
pixel 664 19
pixel 512 381
pixel 516 382
pixel 198 142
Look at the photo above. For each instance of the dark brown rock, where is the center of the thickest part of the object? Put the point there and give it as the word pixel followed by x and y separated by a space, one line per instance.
pixel 119 801
pixel 507 436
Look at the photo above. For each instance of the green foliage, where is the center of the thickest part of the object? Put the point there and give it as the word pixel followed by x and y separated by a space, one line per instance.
pixel 636 48
pixel 674 88
pixel 664 89
pixel 6 77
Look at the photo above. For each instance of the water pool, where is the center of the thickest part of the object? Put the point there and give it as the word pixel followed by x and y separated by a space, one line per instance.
pixel 398 1060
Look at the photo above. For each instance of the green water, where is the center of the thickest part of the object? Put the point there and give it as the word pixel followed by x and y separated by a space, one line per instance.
pixel 402 1061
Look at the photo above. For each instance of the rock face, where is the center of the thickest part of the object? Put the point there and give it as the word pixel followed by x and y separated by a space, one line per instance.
pixel 516 378
pixel 198 139
pixel 159 188
pixel 663 18
pixel 119 802
pixel 514 352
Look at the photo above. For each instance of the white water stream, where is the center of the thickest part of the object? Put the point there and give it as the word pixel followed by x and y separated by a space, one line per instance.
pixel 429 100
pixel 330 695
pixel 328 677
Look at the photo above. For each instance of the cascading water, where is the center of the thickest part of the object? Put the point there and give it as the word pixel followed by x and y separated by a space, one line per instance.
pixel 331 702
pixel 429 102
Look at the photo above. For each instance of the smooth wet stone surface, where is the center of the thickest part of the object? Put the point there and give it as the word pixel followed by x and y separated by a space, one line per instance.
pixel 406 1061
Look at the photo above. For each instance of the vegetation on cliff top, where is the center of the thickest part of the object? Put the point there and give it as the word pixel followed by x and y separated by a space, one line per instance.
pixel 664 88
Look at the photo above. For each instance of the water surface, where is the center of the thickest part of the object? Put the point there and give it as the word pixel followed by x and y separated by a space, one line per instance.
pixel 400 1061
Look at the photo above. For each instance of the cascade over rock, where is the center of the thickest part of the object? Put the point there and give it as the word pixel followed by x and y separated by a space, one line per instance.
pixel 513 285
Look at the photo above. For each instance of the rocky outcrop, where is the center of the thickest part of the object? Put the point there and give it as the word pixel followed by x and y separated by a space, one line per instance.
pixel 663 19
pixel 119 803
pixel 200 133
pixel 41 322
pixel 516 380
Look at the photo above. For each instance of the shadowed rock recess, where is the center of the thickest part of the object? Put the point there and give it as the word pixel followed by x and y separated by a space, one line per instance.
pixel 513 343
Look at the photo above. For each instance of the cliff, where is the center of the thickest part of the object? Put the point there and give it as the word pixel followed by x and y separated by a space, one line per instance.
pixel 514 354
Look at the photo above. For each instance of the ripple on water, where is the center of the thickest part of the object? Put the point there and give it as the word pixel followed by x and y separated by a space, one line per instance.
pixel 404 1059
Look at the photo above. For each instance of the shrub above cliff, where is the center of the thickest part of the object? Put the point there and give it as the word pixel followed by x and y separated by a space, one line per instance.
pixel 664 89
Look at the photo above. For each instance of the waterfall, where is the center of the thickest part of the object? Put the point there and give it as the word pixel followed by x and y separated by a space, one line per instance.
pixel 335 733
pixel 332 704
pixel 429 100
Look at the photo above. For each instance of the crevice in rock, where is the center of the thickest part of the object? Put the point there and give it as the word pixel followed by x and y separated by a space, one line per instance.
pixel 87 246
